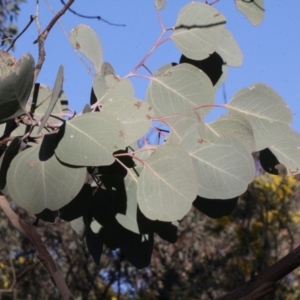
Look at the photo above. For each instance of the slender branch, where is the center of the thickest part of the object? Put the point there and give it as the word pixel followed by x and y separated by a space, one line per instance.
pixel 41 47
pixel 91 17
pixel 26 27
pixel 45 33
pixel 44 256
pixel 264 283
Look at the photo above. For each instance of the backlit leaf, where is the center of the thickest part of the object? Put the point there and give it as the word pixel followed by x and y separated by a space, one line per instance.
pixel 199 30
pixel 181 88
pixel 230 50
pixel 268 161
pixel 215 208
pixel 236 125
pixel 223 168
pixel 287 151
pixel 134 115
pixel 167 185
pixel 212 66
pixel 84 39
pixel 160 4
pixel 266 111
pixel 253 10
pixel 180 126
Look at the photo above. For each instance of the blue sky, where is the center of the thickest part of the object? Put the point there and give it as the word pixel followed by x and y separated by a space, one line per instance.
pixel 271 50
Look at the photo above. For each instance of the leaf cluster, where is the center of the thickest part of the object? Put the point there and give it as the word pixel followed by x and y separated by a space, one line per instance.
pixel 88 168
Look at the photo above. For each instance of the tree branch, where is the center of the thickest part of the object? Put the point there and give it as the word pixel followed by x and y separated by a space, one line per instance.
pixel 45 33
pixel 26 27
pixel 91 17
pixel 264 283
pixel 44 256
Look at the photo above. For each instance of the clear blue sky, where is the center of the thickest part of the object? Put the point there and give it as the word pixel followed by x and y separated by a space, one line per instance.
pixel 271 50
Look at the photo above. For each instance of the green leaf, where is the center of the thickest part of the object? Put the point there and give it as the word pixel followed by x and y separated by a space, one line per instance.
pixel 222 79
pixel 109 88
pixel 42 103
pixel 78 226
pixel 268 161
pixel 90 140
pixel 138 249
pixel 266 111
pixel 163 69
pixel 236 125
pixel 199 30
pixel 44 97
pixel 223 168
pixel 253 10
pixel 129 219
pixel 215 208
pixel 84 39
pixel 135 116
pixel 287 152
pixel 15 88
pixel 230 50
pixel 170 233
pixel 94 245
pixel 9 154
pixel 79 205
pixel 107 69
pixel 47 215
pixel 167 184
pixel 160 4
pixel 182 125
pixel 179 89
pixel 36 184
pixel 212 66
pixel 55 95
pixel 2 129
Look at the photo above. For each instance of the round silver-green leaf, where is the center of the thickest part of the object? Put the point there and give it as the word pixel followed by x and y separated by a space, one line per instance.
pixel 223 168
pixel 135 116
pixel 179 89
pixel 36 185
pixel 84 39
pixel 287 151
pixel 167 185
pixel 199 30
pixel 230 51
pixel 266 111
pixel 236 125
pixel 90 140
pixel 253 10
pixel 180 126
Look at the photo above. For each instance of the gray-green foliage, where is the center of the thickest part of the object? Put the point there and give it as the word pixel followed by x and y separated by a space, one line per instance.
pixel 141 190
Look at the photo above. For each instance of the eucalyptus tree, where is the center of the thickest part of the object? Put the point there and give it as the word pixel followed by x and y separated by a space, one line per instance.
pixel 97 169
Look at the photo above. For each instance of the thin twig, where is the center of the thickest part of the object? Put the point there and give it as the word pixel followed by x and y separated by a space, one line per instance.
pixel 41 47
pixel 91 17
pixel 26 27
pixel 45 33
